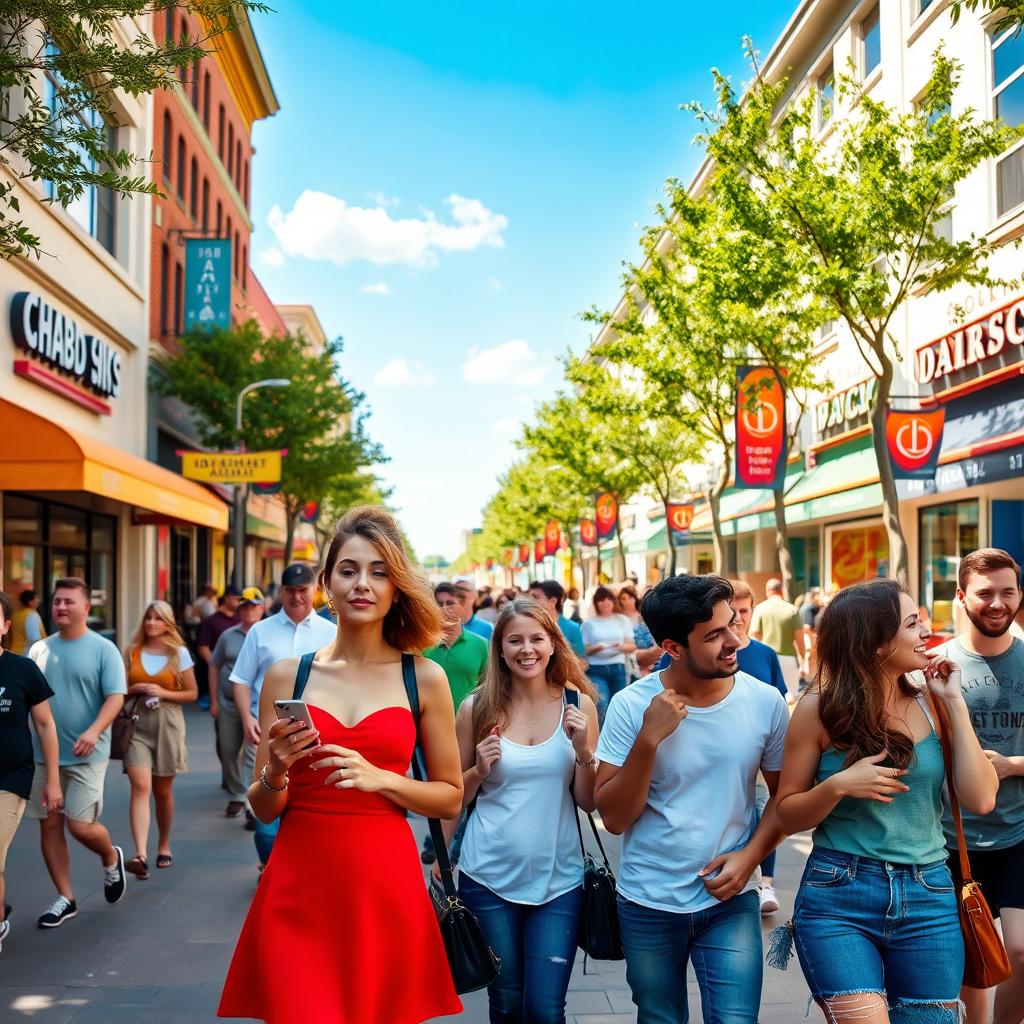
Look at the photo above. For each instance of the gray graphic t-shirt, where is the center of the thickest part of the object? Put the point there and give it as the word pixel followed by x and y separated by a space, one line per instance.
pixel 994 691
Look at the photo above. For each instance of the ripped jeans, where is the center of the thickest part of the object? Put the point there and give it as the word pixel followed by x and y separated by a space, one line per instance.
pixel 537 946
pixel 868 928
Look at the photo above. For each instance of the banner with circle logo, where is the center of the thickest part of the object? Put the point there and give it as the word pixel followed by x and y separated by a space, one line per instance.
pixel 588 533
pixel 538 550
pixel 508 557
pixel 679 518
pixel 552 537
pixel 606 516
pixel 760 428
pixel 914 440
pixel 524 554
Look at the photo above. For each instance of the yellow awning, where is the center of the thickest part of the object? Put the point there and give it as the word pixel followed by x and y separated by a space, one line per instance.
pixel 37 455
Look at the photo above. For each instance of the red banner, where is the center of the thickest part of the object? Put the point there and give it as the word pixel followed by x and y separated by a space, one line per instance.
pixel 552 537
pixel 524 554
pixel 760 428
pixel 606 516
pixel 679 518
pixel 538 550
pixel 509 557
pixel 914 440
pixel 490 563
pixel 588 533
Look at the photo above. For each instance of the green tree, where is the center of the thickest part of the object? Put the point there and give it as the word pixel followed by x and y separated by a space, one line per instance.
pixel 1011 12
pixel 60 63
pixel 320 418
pixel 861 210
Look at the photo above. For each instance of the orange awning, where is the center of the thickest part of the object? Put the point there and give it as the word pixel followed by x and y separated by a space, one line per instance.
pixel 37 455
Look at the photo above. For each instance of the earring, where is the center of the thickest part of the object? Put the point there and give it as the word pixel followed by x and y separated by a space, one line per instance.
pixel 330 607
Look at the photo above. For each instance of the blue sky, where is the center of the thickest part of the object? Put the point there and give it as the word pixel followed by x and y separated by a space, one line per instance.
pixel 450 186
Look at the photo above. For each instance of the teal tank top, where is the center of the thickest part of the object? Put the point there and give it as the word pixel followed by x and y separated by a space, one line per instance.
pixel 907 831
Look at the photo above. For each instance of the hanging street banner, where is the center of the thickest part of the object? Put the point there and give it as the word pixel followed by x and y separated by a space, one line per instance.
pixel 678 518
pixel 588 533
pixel 207 283
pixel 490 563
pixel 760 428
pixel 607 516
pixel 538 550
pixel 552 537
pixel 310 512
pixel 914 440
pixel 509 557
pixel 232 467
pixel 524 554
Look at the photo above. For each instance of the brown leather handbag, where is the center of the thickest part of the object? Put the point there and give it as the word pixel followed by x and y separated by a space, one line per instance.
pixel 985 960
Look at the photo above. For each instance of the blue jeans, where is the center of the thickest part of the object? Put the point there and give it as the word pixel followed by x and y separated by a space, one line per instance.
pixel 724 943
pixel 608 679
pixel 537 946
pixel 264 837
pixel 866 925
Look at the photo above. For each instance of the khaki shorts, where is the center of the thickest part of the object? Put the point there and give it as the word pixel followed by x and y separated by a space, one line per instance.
pixel 12 807
pixel 159 740
pixel 82 786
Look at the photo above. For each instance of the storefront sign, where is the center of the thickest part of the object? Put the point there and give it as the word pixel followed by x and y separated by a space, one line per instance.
pixel 588 533
pixel 607 516
pixel 1007 464
pixel 552 537
pixel 857 554
pixel 232 467
pixel 207 283
pixel 845 410
pixel 538 550
pixel 914 440
pixel 760 428
pixel 679 518
pixel 978 349
pixel 53 338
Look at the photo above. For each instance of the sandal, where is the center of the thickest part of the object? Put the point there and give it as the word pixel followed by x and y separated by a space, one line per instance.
pixel 164 860
pixel 138 866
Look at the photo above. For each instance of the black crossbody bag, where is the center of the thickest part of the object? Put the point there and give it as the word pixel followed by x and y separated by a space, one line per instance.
pixel 474 965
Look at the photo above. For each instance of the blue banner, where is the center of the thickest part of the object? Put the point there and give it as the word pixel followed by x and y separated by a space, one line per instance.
pixel 207 283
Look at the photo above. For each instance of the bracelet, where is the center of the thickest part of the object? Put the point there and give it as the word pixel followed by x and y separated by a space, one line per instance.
pixel 587 764
pixel 266 785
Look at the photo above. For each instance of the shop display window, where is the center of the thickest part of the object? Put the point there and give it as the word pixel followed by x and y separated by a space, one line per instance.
pixel 947 533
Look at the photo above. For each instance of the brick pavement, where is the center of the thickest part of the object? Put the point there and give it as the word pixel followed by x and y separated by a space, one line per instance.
pixel 159 956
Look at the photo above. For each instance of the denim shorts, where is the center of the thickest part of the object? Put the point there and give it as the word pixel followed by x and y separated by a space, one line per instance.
pixel 868 926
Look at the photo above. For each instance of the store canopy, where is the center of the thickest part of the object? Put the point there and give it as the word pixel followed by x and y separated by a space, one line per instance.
pixel 37 455
pixel 742 510
pixel 845 483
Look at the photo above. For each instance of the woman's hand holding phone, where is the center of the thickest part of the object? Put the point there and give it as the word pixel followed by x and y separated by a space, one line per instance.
pixel 290 742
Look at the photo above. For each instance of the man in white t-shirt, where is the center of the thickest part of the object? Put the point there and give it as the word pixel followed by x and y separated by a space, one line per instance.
pixel 680 751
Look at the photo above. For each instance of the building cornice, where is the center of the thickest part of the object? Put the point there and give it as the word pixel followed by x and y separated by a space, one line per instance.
pixel 238 56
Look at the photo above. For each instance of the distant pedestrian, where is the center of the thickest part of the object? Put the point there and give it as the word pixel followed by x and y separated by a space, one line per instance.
pixel 776 623
pixel 647 651
pixel 551 595
pixel 291 632
pixel 206 603
pixel 26 624
pixel 876 921
pixel 86 674
pixel 24 694
pixel 572 605
pixel 210 630
pixel 160 682
pixel 607 638
pixel 342 909
pixel 523 748
pixel 810 612
pixel 229 723
pixel 472 622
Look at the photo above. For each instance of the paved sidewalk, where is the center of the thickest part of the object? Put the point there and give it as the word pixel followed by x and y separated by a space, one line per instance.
pixel 160 956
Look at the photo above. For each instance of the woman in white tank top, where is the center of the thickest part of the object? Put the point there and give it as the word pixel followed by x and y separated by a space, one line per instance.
pixel 521 872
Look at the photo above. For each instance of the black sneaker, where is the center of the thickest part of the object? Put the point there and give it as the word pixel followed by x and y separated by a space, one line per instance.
pixel 250 821
pixel 62 910
pixel 428 856
pixel 114 883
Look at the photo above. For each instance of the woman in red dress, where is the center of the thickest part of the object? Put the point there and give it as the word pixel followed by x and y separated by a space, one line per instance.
pixel 341 929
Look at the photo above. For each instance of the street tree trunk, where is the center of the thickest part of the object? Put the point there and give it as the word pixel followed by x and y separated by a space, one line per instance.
pixel 618 538
pixel 899 560
pixel 782 545
pixel 714 500
pixel 291 519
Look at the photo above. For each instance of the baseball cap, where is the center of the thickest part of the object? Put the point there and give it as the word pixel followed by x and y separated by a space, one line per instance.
pixel 297 575
pixel 251 595
pixel 232 591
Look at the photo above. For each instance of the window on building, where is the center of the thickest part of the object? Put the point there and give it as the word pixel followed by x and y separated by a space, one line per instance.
pixel 826 95
pixel 182 68
pixel 169 23
pixel 182 167
pixel 871 37
pixel 236 256
pixel 206 204
pixel 220 217
pixel 168 136
pixel 206 101
pixel 227 230
pixel 238 164
pixel 179 298
pixel 165 290
pixel 231 149
pixel 245 184
pixel 193 189
pixel 923 5
pixel 947 532
pixel 245 268
pixel 220 132
pixel 1008 102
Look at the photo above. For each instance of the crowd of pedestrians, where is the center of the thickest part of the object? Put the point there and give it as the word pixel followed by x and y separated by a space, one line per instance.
pixel 703 726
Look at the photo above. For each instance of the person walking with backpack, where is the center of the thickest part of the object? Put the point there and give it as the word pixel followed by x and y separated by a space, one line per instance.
pixel 527 750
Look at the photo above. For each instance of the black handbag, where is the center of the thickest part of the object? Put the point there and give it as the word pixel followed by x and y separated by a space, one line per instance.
pixel 599 922
pixel 122 729
pixel 474 965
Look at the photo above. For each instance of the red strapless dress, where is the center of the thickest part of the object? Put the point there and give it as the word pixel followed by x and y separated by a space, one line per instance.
pixel 341 929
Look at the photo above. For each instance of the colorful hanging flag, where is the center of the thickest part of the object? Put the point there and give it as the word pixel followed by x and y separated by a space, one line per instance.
pixel 552 536
pixel 310 512
pixel 760 428
pixel 679 517
pixel 538 550
pixel 524 554
pixel 588 533
pixel 914 440
pixel 606 516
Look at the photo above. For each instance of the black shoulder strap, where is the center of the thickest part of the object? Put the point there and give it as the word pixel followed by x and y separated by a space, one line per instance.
pixel 302 674
pixel 573 697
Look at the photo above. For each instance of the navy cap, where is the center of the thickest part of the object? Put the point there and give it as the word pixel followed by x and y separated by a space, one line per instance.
pixel 232 591
pixel 298 574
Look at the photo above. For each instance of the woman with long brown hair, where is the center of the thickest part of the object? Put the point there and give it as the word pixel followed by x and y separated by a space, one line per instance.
pixel 525 744
pixel 875 921
pixel 160 681
pixel 341 930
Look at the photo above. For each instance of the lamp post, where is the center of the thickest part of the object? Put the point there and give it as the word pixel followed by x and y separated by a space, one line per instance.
pixel 240 489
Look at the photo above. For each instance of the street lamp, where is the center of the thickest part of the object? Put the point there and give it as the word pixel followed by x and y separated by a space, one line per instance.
pixel 240 490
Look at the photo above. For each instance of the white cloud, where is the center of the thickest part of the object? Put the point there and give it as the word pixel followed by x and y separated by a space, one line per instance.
pixel 382 199
pixel 513 363
pixel 396 373
pixel 376 289
pixel 273 257
pixel 324 227
pixel 495 284
pixel 507 427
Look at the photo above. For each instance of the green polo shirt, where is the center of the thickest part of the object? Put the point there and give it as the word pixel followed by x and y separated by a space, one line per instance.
pixel 464 663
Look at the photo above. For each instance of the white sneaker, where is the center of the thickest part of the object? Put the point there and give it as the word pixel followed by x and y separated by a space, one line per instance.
pixel 769 900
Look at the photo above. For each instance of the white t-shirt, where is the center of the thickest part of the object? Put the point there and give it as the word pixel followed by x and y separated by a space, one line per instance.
pixel 607 629
pixel 154 663
pixel 701 799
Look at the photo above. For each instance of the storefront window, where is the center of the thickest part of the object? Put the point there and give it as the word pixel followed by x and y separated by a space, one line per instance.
pixel 948 532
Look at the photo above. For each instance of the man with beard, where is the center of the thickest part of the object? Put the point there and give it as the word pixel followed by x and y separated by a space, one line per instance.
pixel 680 751
pixel 991 664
